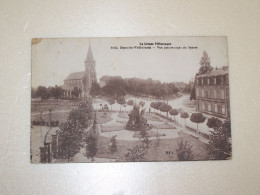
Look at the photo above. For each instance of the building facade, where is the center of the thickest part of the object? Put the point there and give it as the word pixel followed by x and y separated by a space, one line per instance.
pixel 212 92
pixel 79 83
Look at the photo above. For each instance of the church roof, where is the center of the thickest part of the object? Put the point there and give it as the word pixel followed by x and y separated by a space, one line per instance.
pixel 75 75
pixel 90 55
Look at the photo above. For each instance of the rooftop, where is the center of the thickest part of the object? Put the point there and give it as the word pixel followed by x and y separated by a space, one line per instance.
pixel 75 75
pixel 214 72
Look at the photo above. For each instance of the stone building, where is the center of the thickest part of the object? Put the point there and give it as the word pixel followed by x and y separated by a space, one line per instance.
pixel 212 92
pixel 80 82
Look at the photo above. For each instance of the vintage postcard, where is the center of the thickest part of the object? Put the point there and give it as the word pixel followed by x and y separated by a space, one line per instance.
pixel 138 99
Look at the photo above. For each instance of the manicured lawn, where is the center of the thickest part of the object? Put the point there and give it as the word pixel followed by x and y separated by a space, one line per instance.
pixel 165 151
pixel 103 117
pixel 123 115
pixel 110 128
pixel 148 116
pixel 38 106
pixel 149 134
pixel 60 116
pixel 164 126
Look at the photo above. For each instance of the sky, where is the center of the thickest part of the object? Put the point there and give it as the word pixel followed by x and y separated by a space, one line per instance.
pixel 54 59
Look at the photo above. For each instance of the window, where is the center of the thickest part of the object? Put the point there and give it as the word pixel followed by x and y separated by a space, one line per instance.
pixel 209 107
pixel 203 106
pixel 216 108
pixel 197 93
pixel 222 94
pixel 202 93
pixel 215 81
pixel 211 93
pixel 215 94
pixel 208 81
pixel 223 109
pixel 220 108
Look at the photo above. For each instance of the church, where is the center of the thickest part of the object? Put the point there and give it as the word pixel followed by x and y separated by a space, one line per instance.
pixel 80 82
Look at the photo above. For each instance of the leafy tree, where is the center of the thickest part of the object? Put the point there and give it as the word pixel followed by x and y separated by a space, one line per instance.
pixel 121 101
pixel 197 118
pixel 91 140
pixel 184 115
pixel 130 102
pixel 46 95
pixel 95 89
pixel 135 154
pixel 152 105
pixel 174 112
pixel 214 122
pixel 192 93
pixel 115 86
pixel 165 107
pixel 76 92
pixel 145 139
pixel 205 63
pixel 41 90
pixel 142 103
pixel 113 144
pixel 33 92
pixel 86 113
pixel 70 139
pixel 57 92
pixel 111 101
pixel 220 138
pixel 184 151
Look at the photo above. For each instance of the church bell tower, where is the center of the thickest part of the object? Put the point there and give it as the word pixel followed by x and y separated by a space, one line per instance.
pixel 90 70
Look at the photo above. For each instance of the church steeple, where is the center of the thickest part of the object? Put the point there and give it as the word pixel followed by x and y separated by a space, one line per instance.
pixel 90 57
pixel 90 70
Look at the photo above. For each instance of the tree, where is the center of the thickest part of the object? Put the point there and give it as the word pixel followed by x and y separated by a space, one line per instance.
pixel 76 92
pixel 130 102
pixel 46 95
pixel 115 86
pixel 197 118
pixel 220 138
pixel 165 107
pixel 145 139
pixel 95 89
pixel 121 101
pixel 33 92
pixel 56 92
pixel 174 112
pixel 135 154
pixel 205 63
pixel 214 122
pixel 41 91
pixel 185 115
pixel 192 93
pixel 91 140
pixel 86 113
pixel 113 144
pixel 184 151
pixel 111 101
pixel 70 139
pixel 142 103
pixel 152 105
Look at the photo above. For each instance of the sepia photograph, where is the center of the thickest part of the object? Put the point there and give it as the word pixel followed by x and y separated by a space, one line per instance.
pixel 135 99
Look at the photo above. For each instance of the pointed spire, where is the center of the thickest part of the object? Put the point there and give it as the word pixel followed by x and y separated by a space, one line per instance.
pixel 89 55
